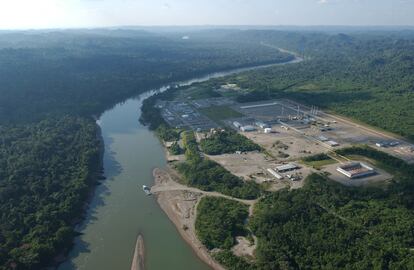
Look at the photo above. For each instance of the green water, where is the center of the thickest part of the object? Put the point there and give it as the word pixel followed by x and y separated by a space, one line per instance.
pixel 120 209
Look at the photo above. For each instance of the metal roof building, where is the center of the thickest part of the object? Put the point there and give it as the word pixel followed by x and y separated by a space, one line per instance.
pixel 287 167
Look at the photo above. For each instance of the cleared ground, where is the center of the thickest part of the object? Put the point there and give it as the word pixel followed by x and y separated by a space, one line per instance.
pixel 253 167
pixel 305 124
pixel 298 132
pixel 286 145
pixel 381 176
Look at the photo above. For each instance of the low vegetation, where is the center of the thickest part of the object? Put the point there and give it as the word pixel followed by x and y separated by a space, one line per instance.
pixel 168 134
pixel 233 262
pixel 197 91
pixel 210 176
pixel 227 142
pixel 220 113
pixel 318 161
pixel 175 149
pixel 219 221
pixel 318 157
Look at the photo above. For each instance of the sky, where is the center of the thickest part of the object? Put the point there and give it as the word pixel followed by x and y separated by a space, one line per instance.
pixel 33 14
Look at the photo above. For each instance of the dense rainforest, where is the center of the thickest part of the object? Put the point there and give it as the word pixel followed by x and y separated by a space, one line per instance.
pixel 53 85
pixel 324 225
pixel 219 221
pixel 84 73
pixel 365 76
pixel 46 171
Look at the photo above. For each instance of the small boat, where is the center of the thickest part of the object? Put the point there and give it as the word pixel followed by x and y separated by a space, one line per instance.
pixel 146 189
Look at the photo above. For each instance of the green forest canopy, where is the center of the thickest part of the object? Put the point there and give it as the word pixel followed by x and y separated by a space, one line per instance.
pixel 208 175
pixel 369 77
pixel 325 225
pixel 219 221
pixel 53 85
pixel 227 142
pixel 46 172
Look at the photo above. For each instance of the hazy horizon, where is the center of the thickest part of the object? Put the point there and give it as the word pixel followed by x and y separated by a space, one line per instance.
pixel 52 14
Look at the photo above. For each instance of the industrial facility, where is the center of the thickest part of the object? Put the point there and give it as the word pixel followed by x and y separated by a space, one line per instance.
pixel 356 170
pixel 287 168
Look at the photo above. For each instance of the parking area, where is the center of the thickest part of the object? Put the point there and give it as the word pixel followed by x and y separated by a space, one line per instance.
pixel 380 176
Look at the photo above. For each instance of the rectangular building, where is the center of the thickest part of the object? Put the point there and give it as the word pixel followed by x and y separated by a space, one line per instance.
pixel 332 143
pixel 287 168
pixel 247 128
pixel 275 174
pixel 356 170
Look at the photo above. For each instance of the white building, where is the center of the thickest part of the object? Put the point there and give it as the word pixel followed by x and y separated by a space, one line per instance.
pixel 287 168
pixel 262 125
pixel 275 174
pixel 356 170
pixel 267 130
pixel 332 143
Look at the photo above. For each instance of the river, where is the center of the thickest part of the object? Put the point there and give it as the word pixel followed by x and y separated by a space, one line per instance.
pixel 119 209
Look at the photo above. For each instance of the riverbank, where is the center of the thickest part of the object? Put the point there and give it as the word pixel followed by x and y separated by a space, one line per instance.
pixel 180 206
pixel 179 202
pixel 96 178
pixel 113 200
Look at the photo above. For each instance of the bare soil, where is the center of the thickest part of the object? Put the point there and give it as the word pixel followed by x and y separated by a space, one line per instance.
pixel 180 207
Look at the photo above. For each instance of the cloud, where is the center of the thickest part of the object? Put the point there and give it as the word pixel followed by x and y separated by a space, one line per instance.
pixel 322 2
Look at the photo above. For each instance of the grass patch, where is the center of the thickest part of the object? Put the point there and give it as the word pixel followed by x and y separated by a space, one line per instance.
pixel 219 113
pixel 227 142
pixel 309 87
pixel 199 92
pixel 318 161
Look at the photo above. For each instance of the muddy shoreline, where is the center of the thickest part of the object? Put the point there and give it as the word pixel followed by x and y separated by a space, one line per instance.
pixel 180 208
